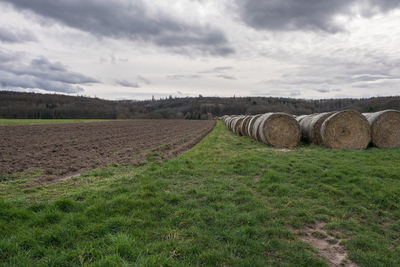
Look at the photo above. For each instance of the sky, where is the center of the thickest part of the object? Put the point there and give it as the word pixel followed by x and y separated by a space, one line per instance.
pixel 136 49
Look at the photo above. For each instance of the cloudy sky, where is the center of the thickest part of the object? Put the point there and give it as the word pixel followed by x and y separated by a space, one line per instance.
pixel 134 49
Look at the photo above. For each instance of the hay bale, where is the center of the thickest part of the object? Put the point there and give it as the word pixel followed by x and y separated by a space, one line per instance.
pixel 244 125
pixel 346 129
pixel 251 125
pixel 256 125
pixel 227 120
pixel 238 124
pixel 385 128
pixel 233 123
pixel 311 127
pixel 299 118
pixel 278 130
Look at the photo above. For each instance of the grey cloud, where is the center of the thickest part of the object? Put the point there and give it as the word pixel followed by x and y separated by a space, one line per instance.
pixel 12 81
pixel 327 74
pixel 226 77
pixel 180 77
pixel 143 79
pixel 125 83
pixel 218 69
pixel 112 58
pixel 323 90
pixel 130 20
pixel 314 15
pixel 40 73
pixel 11 35
pixel 385 5
pixel 372 77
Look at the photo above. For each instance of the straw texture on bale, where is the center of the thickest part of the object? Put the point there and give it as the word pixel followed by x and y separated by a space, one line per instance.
pixel 251 125
pixel 385 128
pixel 227 121
pixel 238 128
pixel 299 118
pixel 231 122
pixel 238 124
pixel 255 133
pixel 311 127
pixel 243 126
pixel 346 129
pixel 278 130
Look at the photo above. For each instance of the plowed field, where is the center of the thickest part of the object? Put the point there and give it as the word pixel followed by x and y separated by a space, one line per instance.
pixel 59 151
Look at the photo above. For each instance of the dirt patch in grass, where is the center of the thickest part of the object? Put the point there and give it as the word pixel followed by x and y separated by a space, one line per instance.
pixel 62 151
pixel 328 246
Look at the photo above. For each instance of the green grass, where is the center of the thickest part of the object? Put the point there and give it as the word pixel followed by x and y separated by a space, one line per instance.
pixel 230 201
pixel 33 121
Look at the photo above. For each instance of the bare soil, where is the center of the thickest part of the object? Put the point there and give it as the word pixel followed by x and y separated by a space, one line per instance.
pixel 329 247
pixel 60 151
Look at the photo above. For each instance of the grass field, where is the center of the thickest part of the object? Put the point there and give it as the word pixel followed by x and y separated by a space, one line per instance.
pixel 230 201
pixel 32 121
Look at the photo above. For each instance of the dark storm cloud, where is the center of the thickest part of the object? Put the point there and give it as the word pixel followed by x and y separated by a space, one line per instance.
pixel 125 83
pixel 129 20
pixel 314 15
pixel 9 35
pixel 40 73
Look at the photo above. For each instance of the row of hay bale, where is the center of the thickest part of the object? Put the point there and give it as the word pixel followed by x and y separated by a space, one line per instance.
pixel 346 129
pixel 274 129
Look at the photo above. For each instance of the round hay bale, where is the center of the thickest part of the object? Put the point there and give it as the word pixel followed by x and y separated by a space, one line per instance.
pixel 255 133
pixel 238 125
pixel 279 130
pixel 311 127
pixel 251 125
pixel 245 123
pixel 227 120
pixel 346 129
pixel 231 122
pixel 299 118
pixel 385 128
pixel 222 118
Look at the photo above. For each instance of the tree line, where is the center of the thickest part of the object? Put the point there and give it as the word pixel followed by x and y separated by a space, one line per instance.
pixel 16 105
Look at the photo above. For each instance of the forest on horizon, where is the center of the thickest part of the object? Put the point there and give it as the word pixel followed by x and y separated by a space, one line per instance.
pixel 17 105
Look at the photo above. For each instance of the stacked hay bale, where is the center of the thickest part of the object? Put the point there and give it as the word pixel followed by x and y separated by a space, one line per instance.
pixel 346 129
pixel 385 128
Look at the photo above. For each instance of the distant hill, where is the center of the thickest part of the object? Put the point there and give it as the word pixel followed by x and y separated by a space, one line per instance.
pixel 53 106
